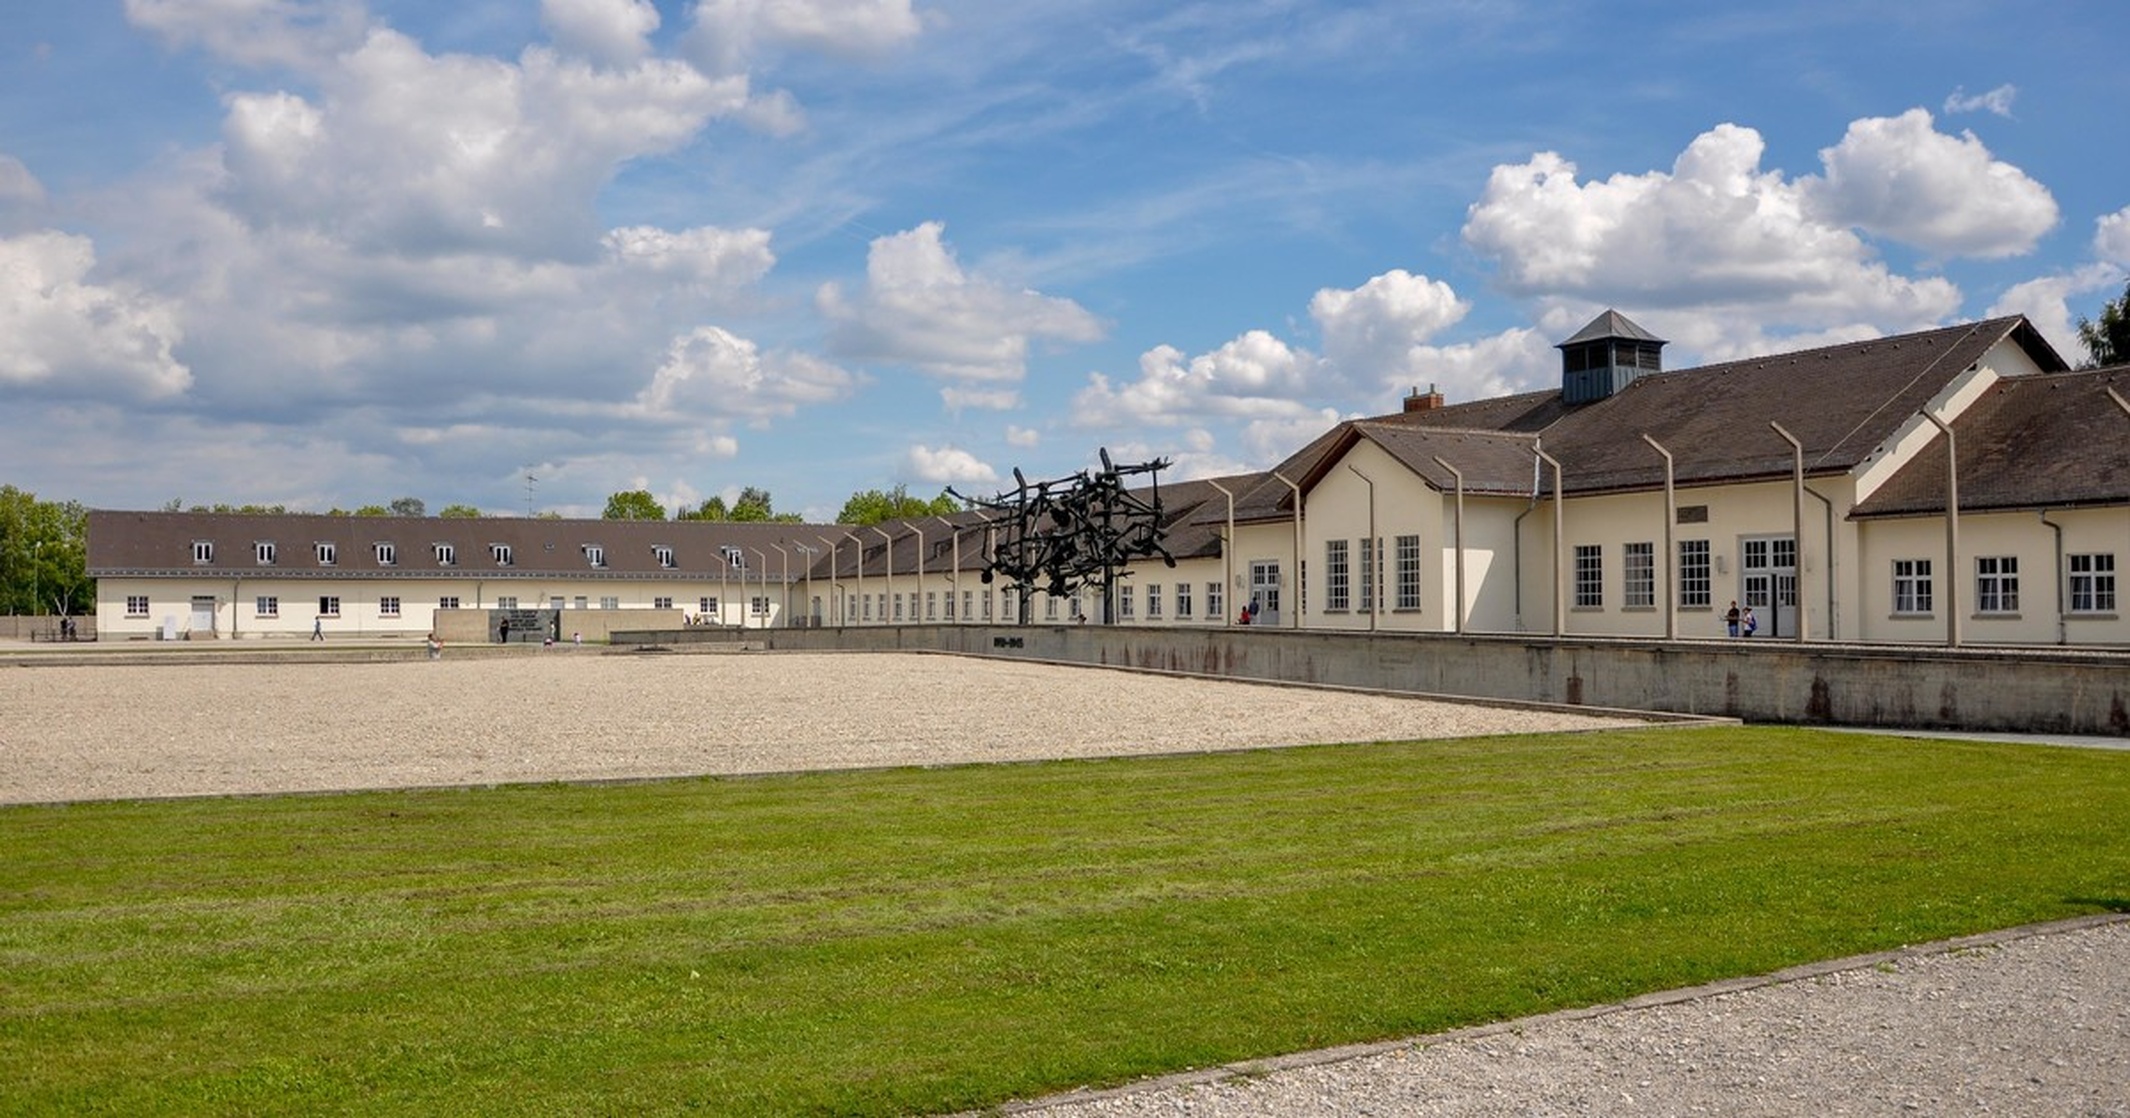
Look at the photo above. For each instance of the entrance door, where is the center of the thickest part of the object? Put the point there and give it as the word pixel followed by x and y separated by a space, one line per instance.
pixel 203 613
pixel 1768 583
pixel 1264 591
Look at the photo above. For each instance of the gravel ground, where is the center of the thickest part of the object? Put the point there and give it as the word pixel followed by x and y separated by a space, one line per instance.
pixel 125 731
pixel 2026 1023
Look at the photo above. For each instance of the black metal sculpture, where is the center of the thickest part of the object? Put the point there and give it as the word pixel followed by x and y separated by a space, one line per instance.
pixel 1074 532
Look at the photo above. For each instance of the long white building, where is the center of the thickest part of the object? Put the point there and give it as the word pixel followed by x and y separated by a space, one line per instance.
pixel 1957 485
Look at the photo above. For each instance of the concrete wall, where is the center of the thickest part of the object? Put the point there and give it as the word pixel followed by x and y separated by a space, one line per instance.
pixel 2038 690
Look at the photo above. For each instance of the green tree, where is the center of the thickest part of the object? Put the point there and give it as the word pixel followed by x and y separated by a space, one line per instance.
pixel 373 510
pixel 712 508
pixel 874 506
pixel 753 505
pixel 44 561
pixel 460 512
pixel 409 506
pixel 2108 340
pixel 635 504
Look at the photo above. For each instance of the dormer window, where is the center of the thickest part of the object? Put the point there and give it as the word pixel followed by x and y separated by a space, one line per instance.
pixel 595 555
pixel 447 555
pixel 663 554
pixel 203 551
pixel 734 557
pixel 263 552
pixel 387 555
pixel 500 552
pixel 328 554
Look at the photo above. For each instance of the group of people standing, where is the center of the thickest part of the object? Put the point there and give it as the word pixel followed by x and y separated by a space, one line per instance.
pixel 1741 623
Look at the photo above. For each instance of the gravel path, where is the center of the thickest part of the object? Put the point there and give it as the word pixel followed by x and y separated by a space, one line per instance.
pixel 124 731
pixel 2033 1022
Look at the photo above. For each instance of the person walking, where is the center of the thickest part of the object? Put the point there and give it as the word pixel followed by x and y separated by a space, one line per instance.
pixel 318 628
pixel 1747 625
pixel 1730 619
pixel 436 647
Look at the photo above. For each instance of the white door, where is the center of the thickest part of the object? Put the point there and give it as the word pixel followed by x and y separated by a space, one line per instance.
pixel 1264 591
pixel 203 614
pixel 1768 583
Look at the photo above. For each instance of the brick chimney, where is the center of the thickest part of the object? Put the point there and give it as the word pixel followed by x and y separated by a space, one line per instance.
pixel 1415 401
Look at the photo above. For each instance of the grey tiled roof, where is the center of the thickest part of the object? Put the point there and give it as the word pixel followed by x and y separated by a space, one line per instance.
pixel 2053 441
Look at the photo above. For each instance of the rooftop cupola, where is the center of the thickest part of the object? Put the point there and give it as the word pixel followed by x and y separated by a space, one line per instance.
pixel 1605 357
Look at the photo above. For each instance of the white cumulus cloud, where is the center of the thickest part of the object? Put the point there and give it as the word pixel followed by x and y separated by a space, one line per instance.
pixel 947 465
pixel 611 32
pixel 919 308
pixel 712 372
pixel 1715 232
pixel 1998 100
pixel 298 34
pixel 1899 177
pixel 63 335
pixel 2111 237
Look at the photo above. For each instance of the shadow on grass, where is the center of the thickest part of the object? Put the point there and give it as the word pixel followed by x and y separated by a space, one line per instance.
pixel 2111 904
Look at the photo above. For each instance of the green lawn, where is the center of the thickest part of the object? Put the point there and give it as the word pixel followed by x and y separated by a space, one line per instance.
pixel 924 940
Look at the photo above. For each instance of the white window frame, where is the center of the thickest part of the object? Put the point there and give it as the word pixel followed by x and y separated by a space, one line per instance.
pixel 451 601
pixel 387 554
pixel 609 601
pixel 664 554
pixel 1589 576
pixel 1214 599
pixel 329 605
pixel 203 551
pixel 2091 578
pixel 267 606
pixel 507 601
pixel 388 605
pixel 595 555
pixel 1124 602
pixel 660 602
pixel 500 552
pixel 1371 550
pixel 1337 589
pixel 1153 601
pixel 1406 553
pixel 1638 569
pixel 447 555
pixel 1696 581
pixel 1183 601
pixel 136 605
pixel 1912 592
pixel 328 553
pixel 1996 584
pixel 265 552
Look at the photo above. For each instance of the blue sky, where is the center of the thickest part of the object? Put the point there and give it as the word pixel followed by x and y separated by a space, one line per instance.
pixel 333 253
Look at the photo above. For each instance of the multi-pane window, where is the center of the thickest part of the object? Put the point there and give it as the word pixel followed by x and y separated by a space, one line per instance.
pixel 707 606
pixel 579 603
pixel 1407 594
pixel 1050 607
pixel 1214 608
pixel 1589 576
pixel 1335 585
pixel 947 605
pixel 1997 583
pixel 595 555
pixel 661 603
pixel 447 555
pixel 968 602
pixel 388 606
pixel 898 607
pixel 2093 582
pixel 203 551
pixel 269 606
pixel 264 552
pixel 507 601
pixel 329 606
pixel 663 554
pixel 1368 574
pixel 931 605
pixel 1183 601
pixel 328 554
pixel 865 601
pixel 1693 573
pixel 500 552
pixel 555 602
pixel 759 605
pixel 387 554
pixel 1153 601
pixel 136 605
pixel 1638 561
pixel 1911 586
pixel 609 602
pixel 987 604
pixel 448 601
pixel 1124 603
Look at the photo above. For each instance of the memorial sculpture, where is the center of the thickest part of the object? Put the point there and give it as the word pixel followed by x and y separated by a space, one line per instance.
pixel 1074 533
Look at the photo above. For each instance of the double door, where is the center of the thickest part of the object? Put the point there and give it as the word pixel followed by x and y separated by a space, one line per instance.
pixel 1767 570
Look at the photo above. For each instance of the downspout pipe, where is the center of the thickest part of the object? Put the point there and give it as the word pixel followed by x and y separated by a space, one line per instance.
pixel 1227 553
pixel 2063 632
pixel 1301 599
pixel 1952 531
pixel 1457 612
pixel 1375 576
pixel 1671 548
pixel 1560 545
pixel 1797 527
